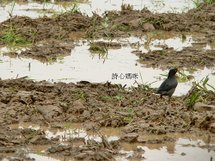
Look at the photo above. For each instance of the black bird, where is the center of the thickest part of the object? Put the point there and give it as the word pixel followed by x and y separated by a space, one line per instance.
pixel 167 88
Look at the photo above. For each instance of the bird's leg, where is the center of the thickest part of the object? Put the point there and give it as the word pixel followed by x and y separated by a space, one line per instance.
pixel 169 98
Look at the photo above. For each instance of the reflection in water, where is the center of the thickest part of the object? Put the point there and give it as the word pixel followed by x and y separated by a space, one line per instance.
pixel 34 9
pixel 38 157
pixel 181 147
pixel 175 43
pixel 65 135
pixel 73 131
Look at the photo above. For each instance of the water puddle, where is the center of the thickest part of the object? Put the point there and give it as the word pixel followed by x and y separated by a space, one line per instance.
pixel 183 147
pixel 66 135
pixel 71 131
pixel 38 157
pixel 34 9
pixel 117 65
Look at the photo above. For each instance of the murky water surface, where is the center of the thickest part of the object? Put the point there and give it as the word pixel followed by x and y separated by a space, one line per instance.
pixel 84 65
pixel 34 9
pixel 184 148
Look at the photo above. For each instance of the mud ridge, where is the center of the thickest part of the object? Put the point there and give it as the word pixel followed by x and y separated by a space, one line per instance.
pixel 121 23
pixel 104 104
pixel 189 58
pixel 48 51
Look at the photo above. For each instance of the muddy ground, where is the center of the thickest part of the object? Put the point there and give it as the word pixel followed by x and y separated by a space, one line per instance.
pixel 137 111
pixel 189 57
pixel 73 26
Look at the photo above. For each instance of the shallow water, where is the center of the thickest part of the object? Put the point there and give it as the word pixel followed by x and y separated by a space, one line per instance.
pixel 185 148
pixel 34 10
pixel 84 65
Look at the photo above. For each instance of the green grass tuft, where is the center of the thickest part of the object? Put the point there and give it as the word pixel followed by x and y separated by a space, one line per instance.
pixel 12 38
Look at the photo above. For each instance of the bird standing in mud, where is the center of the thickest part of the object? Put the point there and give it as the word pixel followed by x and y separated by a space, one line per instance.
pixel 167 88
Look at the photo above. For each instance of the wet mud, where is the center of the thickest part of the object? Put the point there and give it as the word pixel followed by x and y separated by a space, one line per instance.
pixel 72 26
pixel 104 104
pixel 35 30
pixel 114 24
pixel 48 51
pixel 138 112
pixel 189 57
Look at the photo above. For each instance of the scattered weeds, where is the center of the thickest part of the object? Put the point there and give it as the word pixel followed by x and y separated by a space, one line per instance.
pixel 101 50
pixel 122 27
pixel 11 37
pixel 106 98
pixel 129 119
pixel 184 77
pixel 117 98
pixel 11 11
pixel 95 48
pixel 81 95
pixel 183 38
pixel 193 98
pixel 200 92
pixel 75 9
pixel 199 2
pixel 144 86
pixel 126 7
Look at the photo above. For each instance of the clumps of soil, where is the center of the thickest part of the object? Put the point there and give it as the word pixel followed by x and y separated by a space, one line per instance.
pixel 47 51
pixel 11 143
pixel 189 57
pixel 74 25
pixel 104 104
pixel 15 143
pixel 113 24
pixel 35 137
pixel 129 20
pixel 91 150
pixel 44 28
pixel 108 45
pixel 9 138
pixel 138 111
pixel 102 47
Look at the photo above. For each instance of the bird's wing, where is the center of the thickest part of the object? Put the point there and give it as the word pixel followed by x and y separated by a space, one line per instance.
pixel 167 85
pixel 164 86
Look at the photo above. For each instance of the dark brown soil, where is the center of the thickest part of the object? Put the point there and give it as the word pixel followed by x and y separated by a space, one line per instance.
pixel 128 20
pixel 189 57
pixel 105 104
pixel 121 23
pixel 45 28
pixel 47 51
pixel 138 111
pixel 74 26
